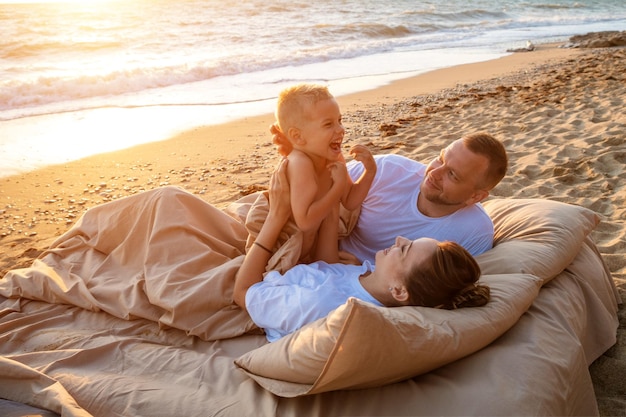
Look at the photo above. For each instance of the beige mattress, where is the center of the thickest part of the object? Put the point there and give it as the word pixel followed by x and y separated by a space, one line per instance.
pixel 129 314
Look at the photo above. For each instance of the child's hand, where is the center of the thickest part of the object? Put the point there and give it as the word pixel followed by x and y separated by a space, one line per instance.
pixel 339 174
pixel 364 156
pixel 358 190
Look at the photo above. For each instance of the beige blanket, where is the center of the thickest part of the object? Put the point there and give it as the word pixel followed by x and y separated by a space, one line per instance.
pixel 163 255
pixel 130 314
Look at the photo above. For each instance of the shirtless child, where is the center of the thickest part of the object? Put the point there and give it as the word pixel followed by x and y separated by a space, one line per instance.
pixel 309 133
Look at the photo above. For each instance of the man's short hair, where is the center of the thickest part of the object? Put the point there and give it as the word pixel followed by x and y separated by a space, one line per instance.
pixel 484 144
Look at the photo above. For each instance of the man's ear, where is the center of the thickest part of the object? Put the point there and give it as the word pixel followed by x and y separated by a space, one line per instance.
pixel 478 196
pixel 295 136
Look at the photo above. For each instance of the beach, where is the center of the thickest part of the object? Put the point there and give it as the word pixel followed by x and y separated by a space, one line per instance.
pixel 559 112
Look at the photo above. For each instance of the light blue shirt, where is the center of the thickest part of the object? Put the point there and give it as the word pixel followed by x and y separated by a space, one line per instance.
pixel 281 304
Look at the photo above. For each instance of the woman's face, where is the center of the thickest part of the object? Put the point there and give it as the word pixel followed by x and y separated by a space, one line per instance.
pixel 394 263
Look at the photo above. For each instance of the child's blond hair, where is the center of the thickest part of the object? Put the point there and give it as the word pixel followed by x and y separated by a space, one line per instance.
pixel 293 101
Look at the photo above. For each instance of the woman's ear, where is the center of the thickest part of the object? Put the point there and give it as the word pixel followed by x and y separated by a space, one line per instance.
pixel 400 294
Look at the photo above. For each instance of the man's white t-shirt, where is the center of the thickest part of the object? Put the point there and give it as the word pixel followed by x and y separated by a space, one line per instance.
pixel 281 304
pixel 390 210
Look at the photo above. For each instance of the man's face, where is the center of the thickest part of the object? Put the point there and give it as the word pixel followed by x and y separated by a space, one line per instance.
pixel 455 177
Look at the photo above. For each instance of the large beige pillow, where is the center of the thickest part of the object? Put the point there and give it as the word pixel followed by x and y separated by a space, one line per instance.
pixel 535 236
pixel 359 345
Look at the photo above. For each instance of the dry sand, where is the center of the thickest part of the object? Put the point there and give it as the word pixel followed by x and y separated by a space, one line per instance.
pixel 559 112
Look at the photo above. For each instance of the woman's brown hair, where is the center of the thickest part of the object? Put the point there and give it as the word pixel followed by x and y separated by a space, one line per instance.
pixel 448 280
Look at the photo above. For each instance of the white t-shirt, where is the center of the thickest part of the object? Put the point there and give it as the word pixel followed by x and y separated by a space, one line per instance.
pixel 281 304
pixel 390 210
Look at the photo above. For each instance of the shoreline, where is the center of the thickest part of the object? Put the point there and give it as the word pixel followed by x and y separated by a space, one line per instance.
pixel 559 113
pixel 83 183
pixel 213 161
pixel 130 127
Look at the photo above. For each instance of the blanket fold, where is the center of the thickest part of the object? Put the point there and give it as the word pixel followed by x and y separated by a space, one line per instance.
pixel 164 255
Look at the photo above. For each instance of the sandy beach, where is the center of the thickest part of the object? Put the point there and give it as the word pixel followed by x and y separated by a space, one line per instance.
pixel 559 112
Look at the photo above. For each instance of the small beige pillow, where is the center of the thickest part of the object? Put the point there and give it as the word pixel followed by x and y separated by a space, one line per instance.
pixel 535 236
pixel 359 345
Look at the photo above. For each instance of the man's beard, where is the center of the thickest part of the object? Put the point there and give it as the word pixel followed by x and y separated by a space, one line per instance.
pixel 436 198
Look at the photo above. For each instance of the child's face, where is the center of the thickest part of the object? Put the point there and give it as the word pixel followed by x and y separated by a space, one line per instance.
pixel 321 130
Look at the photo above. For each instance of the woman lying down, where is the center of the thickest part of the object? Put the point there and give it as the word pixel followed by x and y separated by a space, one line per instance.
pixel 422 272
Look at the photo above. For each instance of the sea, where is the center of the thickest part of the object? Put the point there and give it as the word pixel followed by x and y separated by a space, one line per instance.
pixel 85 77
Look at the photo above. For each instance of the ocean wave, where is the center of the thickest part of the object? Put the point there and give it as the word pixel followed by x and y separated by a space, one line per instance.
pixel 46 90
pixel 23 93
pixel 17 49
pixel 44 61
pixel 463 15
pixel 556 6
pixel 367 30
